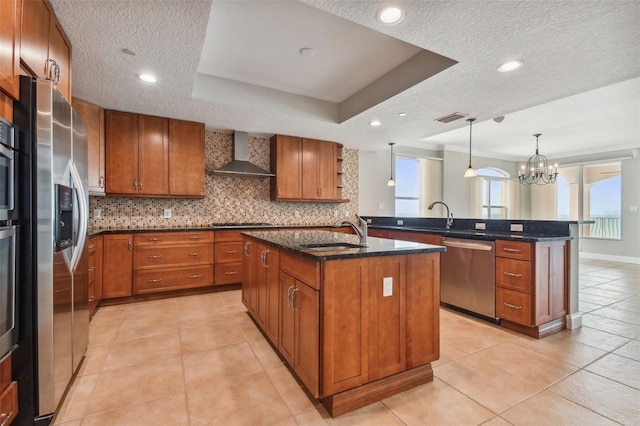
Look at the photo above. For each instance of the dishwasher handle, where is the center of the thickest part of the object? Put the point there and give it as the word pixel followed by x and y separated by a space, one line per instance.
pixel 466 245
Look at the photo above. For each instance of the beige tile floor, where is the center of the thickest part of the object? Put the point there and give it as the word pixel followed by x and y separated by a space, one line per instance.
pixel 199 360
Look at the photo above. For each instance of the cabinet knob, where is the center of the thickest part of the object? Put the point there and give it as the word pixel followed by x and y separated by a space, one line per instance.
pixel 135 184
pixel 140 184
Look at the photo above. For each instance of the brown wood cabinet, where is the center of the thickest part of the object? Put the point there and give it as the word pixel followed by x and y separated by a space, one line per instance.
pixel 137 154
pixel 8 392
pixel 6 107
pixel 93 117
pixel 229 254
pixel 346 339
pixel 171 261
pixel 306 169
pixel 95 248
pixel 251 255
pixel 531 286
pixel 10 32
pixel 186 158
pixel 117 265
pixel 43 42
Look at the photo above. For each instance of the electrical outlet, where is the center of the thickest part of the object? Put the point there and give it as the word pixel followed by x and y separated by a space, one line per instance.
pixel 387 286
pixel 369 221
pixel 167 213
pixel 380 206
pixel 516 227
pixel 335 213
pixel 400 222
pixel 297 213
pixel 481 226
pixel 347 213
pixel 97 213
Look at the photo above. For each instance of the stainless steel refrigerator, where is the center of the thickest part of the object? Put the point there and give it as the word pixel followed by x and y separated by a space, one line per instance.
pixel 53 318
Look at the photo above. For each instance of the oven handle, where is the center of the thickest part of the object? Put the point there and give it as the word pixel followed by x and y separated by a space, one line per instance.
pixel 8 154
pixel 82 231
pixel 465 245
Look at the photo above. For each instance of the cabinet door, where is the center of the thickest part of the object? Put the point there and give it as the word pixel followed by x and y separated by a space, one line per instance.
pixel 60 52
pixel 247 273
pixel 99 240
pixel 121 152
pixel 286 339
pixel 93 117
pixel 550 281
pixel 153 155
pixel 306 302
pixel 286 163
pixel 9 47
pixel 327 170
pixel 310 161
pixel 118 266
pixel 186 158
pixel 272 273
pixel 34 44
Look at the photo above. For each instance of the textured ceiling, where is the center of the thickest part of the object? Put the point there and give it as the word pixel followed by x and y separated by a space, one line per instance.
pixel 569 48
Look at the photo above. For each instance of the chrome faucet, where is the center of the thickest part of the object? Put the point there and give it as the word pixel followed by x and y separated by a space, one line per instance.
pixel 361 230
pixel 449 215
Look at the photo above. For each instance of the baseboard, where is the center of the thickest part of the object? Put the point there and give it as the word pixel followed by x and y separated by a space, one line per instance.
pixel 609 257
pixel 574 320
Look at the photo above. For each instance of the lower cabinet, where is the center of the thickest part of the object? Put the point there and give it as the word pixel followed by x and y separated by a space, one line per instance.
pixel 117 264
pixel 8 392
pixel 531 286
pixel 228 257
pixel 165 261
pixel 95 272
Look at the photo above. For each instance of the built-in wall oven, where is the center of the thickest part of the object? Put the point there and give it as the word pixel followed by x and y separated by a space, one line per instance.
pixel 7 168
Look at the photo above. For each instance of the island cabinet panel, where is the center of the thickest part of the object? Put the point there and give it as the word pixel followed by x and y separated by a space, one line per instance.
pixel 345 324
pixel 286 339
pixel 118 265
pixel 551 276
pixel 423 309
pixel 267 282
pixel 387 313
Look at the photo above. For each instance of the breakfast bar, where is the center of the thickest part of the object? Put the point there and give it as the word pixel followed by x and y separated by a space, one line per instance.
pixel 354 323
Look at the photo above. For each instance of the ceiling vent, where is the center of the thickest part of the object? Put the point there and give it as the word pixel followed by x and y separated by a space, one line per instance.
pixel 451 117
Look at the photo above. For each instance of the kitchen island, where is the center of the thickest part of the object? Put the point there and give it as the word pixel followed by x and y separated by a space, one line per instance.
pixel 355 324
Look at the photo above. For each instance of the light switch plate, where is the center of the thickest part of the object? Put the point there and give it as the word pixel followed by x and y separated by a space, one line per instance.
pixel 97 213
pixel 167 213
pixel 387 286
pixel 400 222
pixel 480 226
pixel 516 227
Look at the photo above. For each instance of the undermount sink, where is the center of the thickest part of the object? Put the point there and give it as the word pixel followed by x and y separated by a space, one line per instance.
pixel 330 246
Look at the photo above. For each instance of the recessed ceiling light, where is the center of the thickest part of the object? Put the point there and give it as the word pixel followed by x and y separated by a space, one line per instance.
pixel 390 14
pixel 402 114
pixel 148 78
pixel 307 51
pixel 375 123
pixel 510 66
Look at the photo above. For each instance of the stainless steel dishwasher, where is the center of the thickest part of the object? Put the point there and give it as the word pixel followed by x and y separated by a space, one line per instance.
pixel 467 278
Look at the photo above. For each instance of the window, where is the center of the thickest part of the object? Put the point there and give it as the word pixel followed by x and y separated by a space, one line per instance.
pixel 494 193
pixel 418 183
pixel 598 188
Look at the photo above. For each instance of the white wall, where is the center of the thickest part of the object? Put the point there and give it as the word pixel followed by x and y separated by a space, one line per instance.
pixel 374 167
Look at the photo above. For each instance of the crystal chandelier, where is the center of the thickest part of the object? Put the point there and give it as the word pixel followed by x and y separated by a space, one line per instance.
pixel 537 170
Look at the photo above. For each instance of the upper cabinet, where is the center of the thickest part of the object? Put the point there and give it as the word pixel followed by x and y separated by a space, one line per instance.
pixel 186 154
pixel 45 50
pixel 306 170
pixel 140 148
pixel 93 117
pixel 10 47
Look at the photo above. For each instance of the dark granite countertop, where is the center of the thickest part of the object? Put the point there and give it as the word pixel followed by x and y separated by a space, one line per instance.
pixel 295 242
pixel 215 227
pixel 477 235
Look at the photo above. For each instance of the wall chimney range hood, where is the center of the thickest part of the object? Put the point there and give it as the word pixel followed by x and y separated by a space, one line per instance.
pixel 240 165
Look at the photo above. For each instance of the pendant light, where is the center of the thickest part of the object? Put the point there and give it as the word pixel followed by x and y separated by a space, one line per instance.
pixel 470 172
pixel 392 181
pixel 537 171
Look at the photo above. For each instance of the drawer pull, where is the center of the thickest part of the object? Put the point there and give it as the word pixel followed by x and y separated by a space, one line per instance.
pixel 513 250
pixel 195 276
pixel 92 269
pixel 232 273
pixel 195 237
pixel 231 251
pixel 91 299
pixel 157 280
pixel 512 306
pixel 196 253
pixel 5 418
pixel 155 256
pixel 92 246
pixel 511 274
pixel 154 239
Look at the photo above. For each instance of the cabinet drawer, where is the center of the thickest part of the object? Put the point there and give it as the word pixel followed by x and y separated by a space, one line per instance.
pixel 513 249
pixel 171 238
pixel 154 257
pixel 301 269
pixel 9 403
pixel 229 252
pixel 228 273
pixel 514 306
pixel 224 236
pixel 513 274
pixel 151 281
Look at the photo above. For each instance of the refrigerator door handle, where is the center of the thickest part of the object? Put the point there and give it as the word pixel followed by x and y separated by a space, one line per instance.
pixel 83 216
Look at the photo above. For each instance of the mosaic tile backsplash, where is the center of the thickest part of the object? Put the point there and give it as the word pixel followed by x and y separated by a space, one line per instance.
pixel 227 199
